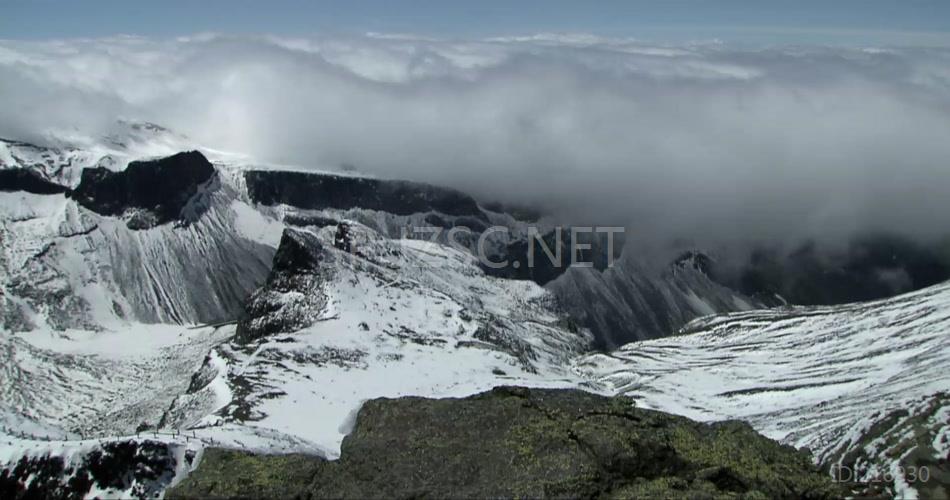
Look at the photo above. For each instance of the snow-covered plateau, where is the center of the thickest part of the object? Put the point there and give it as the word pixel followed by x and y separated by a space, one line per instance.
pixel 240 322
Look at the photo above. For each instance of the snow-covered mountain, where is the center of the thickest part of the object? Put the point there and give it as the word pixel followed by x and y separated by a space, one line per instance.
pixel 87 244
pixel 105 298
pixel 153 294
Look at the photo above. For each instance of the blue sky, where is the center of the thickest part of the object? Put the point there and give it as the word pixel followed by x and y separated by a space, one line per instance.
pixel 892 22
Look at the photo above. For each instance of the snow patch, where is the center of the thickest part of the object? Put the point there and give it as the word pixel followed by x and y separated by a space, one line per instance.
pixel 255 226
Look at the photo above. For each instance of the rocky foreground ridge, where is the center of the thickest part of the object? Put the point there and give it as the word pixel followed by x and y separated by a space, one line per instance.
pixel 519 442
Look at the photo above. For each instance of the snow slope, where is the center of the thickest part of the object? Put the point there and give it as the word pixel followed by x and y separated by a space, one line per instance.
pixel 63 266
pixel 399 317
pixel 84 383
pixel 825 378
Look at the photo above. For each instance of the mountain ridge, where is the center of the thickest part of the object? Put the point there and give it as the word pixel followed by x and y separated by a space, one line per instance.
pixel 239 322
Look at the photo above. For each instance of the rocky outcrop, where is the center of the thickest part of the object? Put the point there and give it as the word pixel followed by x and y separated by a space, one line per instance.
pixel 149 193
pixel 517 442
pixel 326 191
pixel 695 260
pixel 21 179
pixel 292 297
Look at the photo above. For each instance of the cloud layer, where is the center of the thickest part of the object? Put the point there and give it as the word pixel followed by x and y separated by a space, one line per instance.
pixel 703 141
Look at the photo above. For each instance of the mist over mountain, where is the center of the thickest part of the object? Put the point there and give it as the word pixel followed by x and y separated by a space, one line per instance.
pixel 272 266
pixel 727 147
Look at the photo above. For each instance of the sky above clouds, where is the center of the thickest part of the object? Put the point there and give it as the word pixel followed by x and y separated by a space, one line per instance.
pixel 913 22
pixel 696 136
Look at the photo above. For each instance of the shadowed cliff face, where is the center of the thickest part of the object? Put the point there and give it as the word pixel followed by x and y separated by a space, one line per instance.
pixel 21 179
pixel 517 442
pixel 153 192
pixel 322 191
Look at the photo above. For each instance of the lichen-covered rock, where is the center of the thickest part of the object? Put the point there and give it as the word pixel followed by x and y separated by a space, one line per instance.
pixel 517 442
pixel 236 474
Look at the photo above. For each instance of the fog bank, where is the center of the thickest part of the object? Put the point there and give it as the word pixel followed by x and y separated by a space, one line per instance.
pixel 699 141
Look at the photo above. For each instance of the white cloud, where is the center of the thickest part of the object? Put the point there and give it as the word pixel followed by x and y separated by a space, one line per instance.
pixel 695 139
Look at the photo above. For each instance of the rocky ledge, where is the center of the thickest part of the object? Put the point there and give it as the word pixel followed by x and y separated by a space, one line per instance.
pixel 319 191
pixel 517 442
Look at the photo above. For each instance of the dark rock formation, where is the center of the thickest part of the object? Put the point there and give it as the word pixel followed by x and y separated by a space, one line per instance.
pixel 516 442
pixel 322 191
pixel 696 260
pixel 292 297
pixel 140 469
pixel 341 239
pixel 21 179
pixel 153 191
